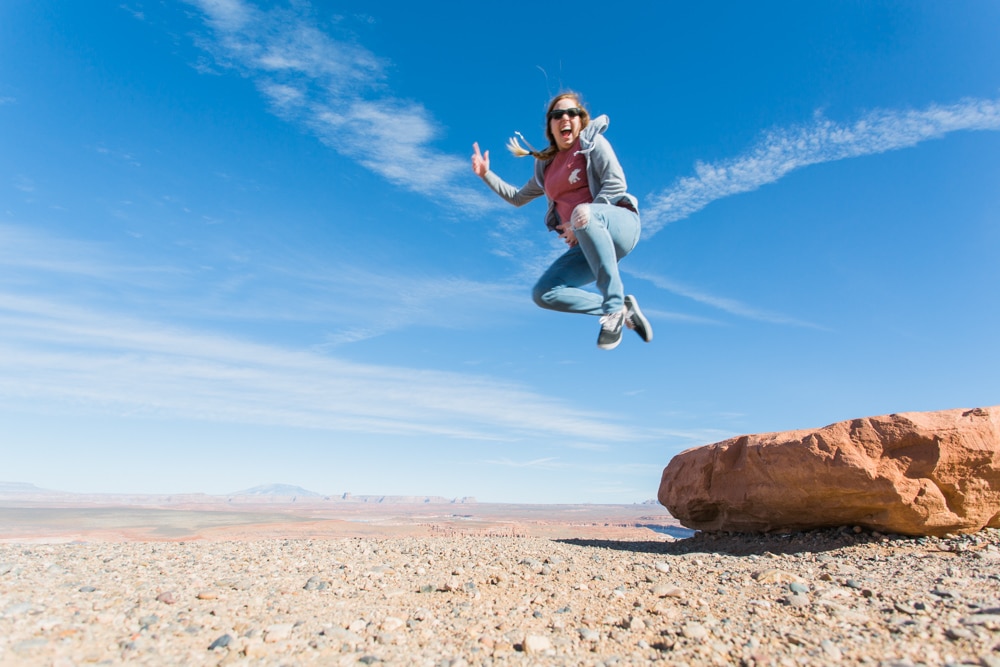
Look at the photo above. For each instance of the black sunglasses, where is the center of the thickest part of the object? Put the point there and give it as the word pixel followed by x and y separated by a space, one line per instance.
pixel 573 112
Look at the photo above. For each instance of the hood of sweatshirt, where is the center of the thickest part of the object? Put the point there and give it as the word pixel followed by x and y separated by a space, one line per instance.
pixel 589 134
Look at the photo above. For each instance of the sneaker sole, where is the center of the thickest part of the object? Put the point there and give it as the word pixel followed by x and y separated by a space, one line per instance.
pixel 610 346
pixel 633 308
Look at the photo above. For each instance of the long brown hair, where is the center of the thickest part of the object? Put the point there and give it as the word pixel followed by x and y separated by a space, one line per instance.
pixel 514 147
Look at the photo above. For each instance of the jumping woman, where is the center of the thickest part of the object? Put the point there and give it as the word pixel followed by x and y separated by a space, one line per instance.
pixel 590 209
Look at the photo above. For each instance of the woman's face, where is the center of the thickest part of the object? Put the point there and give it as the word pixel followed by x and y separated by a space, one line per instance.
pixel 566 128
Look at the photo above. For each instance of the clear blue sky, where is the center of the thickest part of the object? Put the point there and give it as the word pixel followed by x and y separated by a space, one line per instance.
pixel 241 243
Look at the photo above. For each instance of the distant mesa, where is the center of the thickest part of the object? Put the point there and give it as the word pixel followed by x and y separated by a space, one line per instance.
pixel 406 500
pixel 20 487
pixel 265 494
pixel 912 473
pixel 278 490
pixel 282 491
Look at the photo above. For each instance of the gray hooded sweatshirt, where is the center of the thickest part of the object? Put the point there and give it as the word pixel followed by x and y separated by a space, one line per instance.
pixel 604 175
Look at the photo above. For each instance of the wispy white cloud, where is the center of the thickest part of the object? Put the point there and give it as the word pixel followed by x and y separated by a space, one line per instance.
pixel 123 156
pixel 137 14
pixel 24 184
pixel 784 150
pixel 57 353
pixel 511 239
pixel 31 258
pixel 547 463
pixel 337 91
pixel 280 288
pixel 682 318
pixel 391 302
pixel 731 306
pixel 617 467
pixel 69 358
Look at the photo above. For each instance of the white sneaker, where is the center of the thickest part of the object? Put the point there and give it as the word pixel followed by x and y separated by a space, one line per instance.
pixel 611 330
pixel 635 320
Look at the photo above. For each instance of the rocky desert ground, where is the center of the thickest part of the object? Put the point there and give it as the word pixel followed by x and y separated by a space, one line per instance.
pixel 468 585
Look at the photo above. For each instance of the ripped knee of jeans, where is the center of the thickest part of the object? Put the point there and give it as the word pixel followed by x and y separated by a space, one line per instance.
pixel 580 217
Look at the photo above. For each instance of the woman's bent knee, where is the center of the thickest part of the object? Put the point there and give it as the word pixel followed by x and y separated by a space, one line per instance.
pixel 538 294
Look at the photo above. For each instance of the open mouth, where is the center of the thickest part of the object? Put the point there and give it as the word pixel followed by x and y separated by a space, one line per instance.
pixel 566 131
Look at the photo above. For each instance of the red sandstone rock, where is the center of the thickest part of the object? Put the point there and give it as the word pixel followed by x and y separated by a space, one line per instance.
pixel 914 473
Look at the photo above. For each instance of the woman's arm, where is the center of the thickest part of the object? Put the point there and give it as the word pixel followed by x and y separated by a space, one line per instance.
pixel 518 197
pixel 609 171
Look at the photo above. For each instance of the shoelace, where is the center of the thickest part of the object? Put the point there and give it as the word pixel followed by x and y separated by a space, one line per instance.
pixel 629 322
pixel 610 321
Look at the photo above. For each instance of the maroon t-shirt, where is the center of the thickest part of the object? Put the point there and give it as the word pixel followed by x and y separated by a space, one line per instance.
pixel 566 181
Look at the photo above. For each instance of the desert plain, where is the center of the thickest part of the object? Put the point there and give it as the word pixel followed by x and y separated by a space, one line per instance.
pixel 307 581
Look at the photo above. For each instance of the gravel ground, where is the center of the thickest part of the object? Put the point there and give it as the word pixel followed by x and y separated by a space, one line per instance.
pixel 836 596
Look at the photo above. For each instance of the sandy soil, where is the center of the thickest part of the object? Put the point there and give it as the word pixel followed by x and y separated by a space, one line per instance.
pixel 466 585
pixel 217 519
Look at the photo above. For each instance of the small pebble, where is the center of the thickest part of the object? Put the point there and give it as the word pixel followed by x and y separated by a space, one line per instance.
pixel 797 600
pixel 535 644
pixel 694 631
pixel 278 632
pixel 960 633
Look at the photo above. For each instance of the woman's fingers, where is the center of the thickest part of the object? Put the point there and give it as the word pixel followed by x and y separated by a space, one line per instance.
pixel 480 161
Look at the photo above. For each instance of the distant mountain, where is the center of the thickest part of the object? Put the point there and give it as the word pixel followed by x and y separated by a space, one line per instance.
pixel 278 490
pixel 21 487
pixel 20 492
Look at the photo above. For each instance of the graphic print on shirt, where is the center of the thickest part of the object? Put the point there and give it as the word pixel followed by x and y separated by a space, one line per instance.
pixel 575 176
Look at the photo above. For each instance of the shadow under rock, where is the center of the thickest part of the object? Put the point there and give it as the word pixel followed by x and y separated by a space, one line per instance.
pixel 744 544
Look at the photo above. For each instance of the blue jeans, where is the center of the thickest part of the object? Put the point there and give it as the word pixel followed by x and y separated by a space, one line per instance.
pixel 604 236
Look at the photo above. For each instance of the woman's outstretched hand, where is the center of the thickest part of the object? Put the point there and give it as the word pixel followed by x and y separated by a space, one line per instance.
pixel 480 162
